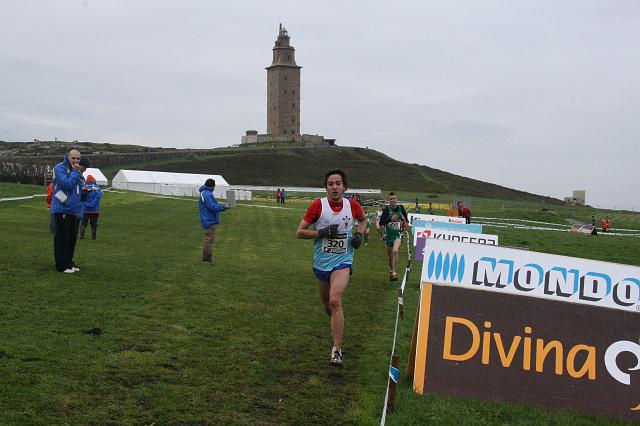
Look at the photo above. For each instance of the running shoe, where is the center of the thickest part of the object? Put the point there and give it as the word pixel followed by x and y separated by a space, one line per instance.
pixel 336 356
pixel 394 276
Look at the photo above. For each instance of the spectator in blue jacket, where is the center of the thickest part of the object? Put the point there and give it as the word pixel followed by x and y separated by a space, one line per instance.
pixel 91 207
pixel 65 207
pixel 209 217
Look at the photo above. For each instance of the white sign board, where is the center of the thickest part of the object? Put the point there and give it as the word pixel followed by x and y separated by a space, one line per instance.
pixel 460 237
pixel 435 218
pixel 532 274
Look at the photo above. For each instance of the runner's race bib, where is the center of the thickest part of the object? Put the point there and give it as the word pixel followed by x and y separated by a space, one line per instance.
pixel 395 226
pixel 337 245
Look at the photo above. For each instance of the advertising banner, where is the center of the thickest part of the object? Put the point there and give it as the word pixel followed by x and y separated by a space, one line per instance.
pixel 529 273
pixel 499 346
pixel 435 218
pixel 583 229
pixel 422 235
pixel 457 236
pixel 459 227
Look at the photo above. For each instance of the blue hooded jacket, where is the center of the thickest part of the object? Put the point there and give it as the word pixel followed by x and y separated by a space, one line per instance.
pixel 209 208
pixel 92 203
pixel 66 179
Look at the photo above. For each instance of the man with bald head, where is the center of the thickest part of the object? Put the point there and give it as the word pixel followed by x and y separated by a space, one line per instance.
pixel 66 201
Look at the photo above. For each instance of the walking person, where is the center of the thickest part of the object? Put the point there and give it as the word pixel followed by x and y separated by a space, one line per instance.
pixel 91 207
pixel 66 206
pixel 333 218
pixel 209 217
pixel 394 220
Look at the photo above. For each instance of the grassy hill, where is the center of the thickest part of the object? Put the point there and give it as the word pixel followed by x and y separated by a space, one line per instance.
pixel 283 165
pixel 366 168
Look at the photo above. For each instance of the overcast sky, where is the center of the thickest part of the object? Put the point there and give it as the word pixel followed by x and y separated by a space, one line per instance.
pixel 541 96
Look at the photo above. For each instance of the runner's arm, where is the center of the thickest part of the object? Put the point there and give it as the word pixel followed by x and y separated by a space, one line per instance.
pixel 385 218
pixel 404 214
pixel 362 224
pixel 304 233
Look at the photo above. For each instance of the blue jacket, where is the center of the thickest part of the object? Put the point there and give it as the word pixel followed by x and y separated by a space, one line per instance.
pixel 66 179
pixel 209 208
pixel 92 203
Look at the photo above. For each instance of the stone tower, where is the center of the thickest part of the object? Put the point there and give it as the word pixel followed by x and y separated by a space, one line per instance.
pixel 283 90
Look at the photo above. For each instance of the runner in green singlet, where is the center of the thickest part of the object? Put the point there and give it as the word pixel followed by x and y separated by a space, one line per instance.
pixel 394 219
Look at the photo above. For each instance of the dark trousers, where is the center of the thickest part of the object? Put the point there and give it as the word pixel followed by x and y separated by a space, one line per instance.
pixel 91 218
pixel 65 234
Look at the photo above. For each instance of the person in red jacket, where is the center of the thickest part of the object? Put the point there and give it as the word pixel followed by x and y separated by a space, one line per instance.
pixel 466 213
pixel 49 195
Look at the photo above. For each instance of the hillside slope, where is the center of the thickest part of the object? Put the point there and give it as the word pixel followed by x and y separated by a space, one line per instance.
pixel 366 168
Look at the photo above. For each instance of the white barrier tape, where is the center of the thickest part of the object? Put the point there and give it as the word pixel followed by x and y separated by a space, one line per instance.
pixel 28 197
pixel 395 335
pixel 173 198
pixel 543 223
pixel 518 220
pixel 393 349
pixel 540 228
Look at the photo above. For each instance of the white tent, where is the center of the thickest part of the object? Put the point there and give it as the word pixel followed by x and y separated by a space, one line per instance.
pixel 166 183
pixel 97 174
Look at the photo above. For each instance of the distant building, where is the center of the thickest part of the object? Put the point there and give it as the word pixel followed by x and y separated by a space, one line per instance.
pixel 283 99
pixel 578 198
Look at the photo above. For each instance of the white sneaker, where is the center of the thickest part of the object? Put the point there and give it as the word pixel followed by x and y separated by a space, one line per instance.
pixel 336 356
pixel 75 269
pixel 69 271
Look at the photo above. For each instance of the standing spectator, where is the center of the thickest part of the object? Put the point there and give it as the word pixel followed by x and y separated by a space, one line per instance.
pixel 282 195
pixel 605 224
pixel 209 217
pixel 394 219
pixel 278 195
pixel 65 207
pixel 91 207
pixel 466 213
pixel 430 209
pixel 333 219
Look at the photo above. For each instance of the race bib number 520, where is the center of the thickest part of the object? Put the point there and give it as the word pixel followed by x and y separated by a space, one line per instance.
pixel 337 245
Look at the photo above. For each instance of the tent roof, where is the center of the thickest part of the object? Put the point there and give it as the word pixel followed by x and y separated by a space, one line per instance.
pixel 96 173
pixel 167 177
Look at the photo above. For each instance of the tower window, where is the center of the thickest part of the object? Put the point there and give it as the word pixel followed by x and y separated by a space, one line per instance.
pixel 285 92
pixel 293 104
pixel 285 78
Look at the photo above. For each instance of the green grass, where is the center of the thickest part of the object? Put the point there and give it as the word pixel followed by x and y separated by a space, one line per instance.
pixel 147 333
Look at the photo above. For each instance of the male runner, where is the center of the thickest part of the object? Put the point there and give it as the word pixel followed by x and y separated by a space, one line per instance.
pixel 394 219
pixel 378 216
pixel 333 217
